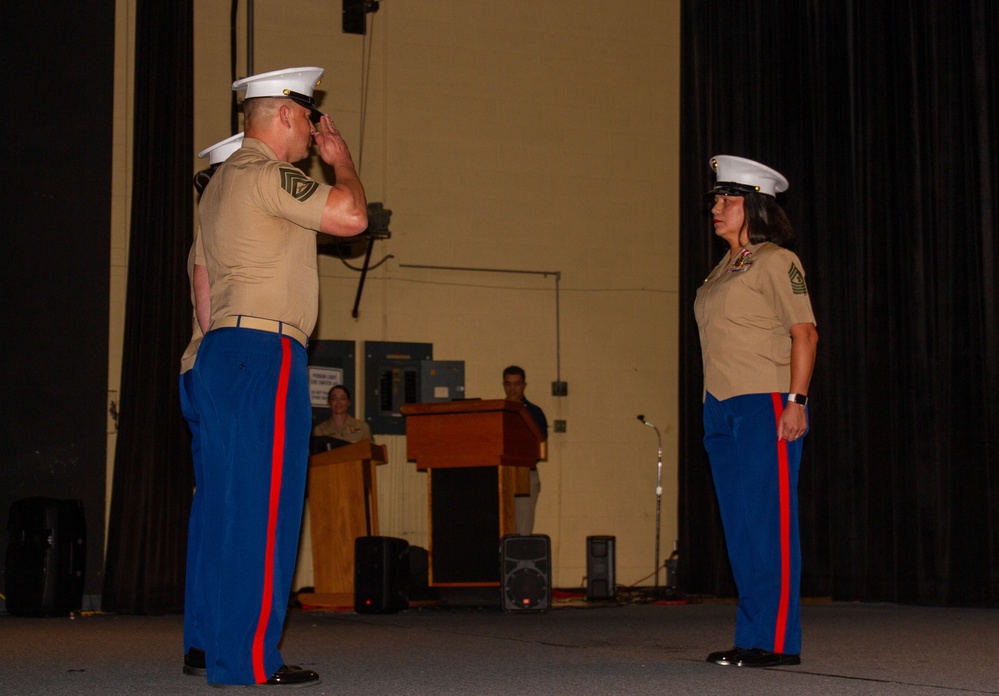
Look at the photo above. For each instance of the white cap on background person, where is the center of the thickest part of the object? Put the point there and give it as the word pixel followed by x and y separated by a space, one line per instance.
pixel 220 151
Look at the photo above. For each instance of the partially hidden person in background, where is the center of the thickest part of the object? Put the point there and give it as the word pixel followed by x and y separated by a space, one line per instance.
pixel 194 655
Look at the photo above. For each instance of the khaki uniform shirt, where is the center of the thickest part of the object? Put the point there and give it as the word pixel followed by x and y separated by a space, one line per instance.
pixel 259 218
pixel 352 430
pixel 191 352
pixel 745 310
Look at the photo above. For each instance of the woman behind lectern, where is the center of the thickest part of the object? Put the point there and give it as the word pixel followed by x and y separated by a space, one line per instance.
pixel 341 425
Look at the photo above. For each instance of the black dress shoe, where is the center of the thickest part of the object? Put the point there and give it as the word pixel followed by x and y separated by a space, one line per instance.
pixel 724 657
pixel 194 663
pixel 292 676
pixel 764 658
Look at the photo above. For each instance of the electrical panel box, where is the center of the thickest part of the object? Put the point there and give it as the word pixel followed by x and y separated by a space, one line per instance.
pixel 442 380
pixel 391 379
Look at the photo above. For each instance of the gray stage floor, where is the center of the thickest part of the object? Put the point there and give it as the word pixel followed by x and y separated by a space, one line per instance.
pixel 576 648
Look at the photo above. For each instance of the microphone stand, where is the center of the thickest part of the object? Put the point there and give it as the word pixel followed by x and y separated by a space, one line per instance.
pixel 659 494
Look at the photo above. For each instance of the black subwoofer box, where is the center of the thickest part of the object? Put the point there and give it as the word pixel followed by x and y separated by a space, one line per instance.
pixel 600 582
pixel 46 559
pixel 381 575
pixel 525 563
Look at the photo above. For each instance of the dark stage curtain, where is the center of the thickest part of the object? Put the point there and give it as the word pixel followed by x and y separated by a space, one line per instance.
pixel 153 475
pixel 883 116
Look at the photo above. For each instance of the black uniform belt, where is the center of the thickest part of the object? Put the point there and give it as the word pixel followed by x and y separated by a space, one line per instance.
pixel 242 321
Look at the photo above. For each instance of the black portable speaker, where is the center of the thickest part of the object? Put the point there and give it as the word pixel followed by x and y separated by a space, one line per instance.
pixel 381 575
pixel 46 557
pixel 600 582
pixel 525 560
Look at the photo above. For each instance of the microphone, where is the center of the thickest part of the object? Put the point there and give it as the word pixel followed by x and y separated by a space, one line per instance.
pixel 659 489
pixel 658 435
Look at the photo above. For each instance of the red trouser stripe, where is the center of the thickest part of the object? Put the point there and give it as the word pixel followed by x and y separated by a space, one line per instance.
pixel 277 467
pixel 785 532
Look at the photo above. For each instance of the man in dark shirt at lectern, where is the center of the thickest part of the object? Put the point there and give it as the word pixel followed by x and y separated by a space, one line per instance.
pixel 514 382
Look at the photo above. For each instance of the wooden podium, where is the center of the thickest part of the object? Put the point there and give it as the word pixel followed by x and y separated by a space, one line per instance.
pixel 343 505
pixel 471 451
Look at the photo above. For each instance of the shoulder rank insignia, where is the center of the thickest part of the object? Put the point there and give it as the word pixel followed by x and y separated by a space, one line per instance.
pixel 297 184
pixel 797 280
pixel 742 262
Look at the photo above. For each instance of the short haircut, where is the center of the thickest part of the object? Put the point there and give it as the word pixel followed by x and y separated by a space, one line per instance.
pixel 259 109
pixel 766 219
pixel 329 396
pixel 515 370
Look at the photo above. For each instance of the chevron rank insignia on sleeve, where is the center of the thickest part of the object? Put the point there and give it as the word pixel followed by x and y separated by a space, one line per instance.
pixel 297 184
pixel 797 280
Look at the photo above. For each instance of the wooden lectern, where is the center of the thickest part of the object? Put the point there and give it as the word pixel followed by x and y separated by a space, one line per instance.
pixel 343 505
pixel 471 451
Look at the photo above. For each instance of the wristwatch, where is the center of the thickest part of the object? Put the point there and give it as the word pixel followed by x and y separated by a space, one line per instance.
pixel 800 399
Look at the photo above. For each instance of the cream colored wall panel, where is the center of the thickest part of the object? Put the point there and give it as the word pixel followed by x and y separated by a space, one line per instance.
pixel 212 77
pixel 402 495
pixel 121 201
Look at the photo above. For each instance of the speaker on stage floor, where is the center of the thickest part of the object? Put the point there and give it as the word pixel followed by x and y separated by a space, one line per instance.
pixel 46 557
pixel 600 583
pixel 381 575
pixel 525 562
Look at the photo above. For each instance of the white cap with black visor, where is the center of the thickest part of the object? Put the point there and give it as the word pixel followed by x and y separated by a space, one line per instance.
pixel 296 84
pixel 737 176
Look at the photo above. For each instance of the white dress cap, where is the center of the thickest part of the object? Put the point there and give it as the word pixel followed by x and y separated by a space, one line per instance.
pixel 219 152
pixel 738 176
pixel 280 83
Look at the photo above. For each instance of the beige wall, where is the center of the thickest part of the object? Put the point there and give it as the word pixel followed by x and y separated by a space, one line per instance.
pixel 513 134
pixel 121 203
